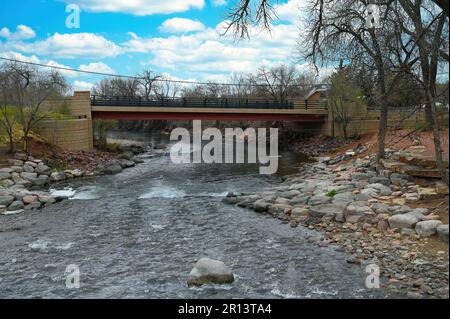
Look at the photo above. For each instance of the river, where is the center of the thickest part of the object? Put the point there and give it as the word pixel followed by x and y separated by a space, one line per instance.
pixel 137 235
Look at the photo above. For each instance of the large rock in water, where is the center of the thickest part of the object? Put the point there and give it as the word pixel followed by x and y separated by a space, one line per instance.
pixel 113 168
pixel 207 271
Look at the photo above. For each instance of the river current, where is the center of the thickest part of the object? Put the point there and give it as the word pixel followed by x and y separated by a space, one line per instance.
pixel 137 235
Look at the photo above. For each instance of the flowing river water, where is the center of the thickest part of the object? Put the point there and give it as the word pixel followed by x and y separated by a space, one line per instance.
pixel 137 235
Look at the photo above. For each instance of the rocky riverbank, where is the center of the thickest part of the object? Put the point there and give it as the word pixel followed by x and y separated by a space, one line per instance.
pixel 372 214
pixel 23 184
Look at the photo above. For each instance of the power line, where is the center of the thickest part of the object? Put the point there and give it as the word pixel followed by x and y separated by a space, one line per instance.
pixel 156 79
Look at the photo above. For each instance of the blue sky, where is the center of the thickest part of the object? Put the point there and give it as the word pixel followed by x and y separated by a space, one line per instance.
pixel 180 38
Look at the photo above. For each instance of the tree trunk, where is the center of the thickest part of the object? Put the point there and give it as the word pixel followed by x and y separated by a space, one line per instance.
pixel 382 131
pixel 428 117
pixel 11 143
pixel 437 141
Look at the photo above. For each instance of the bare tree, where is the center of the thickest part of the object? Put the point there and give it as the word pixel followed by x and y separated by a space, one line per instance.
pixel 346 102
pixel 148 80
pixel 8 114
pixel 166 89
pixel 29 89
pixel 428 29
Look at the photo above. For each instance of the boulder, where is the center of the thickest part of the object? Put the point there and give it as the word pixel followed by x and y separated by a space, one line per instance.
pixel 411 197
pixel 367 193
pixel 427 228
pixel 299 199
pixel 47 199
pixel 400 179
pixel 319 200
pixel 15 206
pixel 280 209
pixel 17 169
pixel 358 212
pixel 41 180
pixel 299 213
pixel 442 232
pixel 279 200
pixel 2 209
pixel 42 169
pixel 28 199
pixel 73 173
pixel 112 169
pixel 23 182
pixel 6 183
pixel 124 163
pixel 290 194
pixel 380 208
pixel 28 175
pixel 403 221
pixel 6 199
pixel 361 176
pixel 208 271
pixel 399 209
pixel 441 188
pixel 383 190
pixel 57 176
pixel 128 155
pixel 427 192
pixel 418 160
pixel 325 210
pixel 343 199
pixel 28 169
pixel 380 180
pixel 261 206
pixel 31 163
pixel 5 175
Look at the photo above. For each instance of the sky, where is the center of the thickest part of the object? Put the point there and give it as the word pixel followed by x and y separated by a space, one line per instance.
pixel 180 38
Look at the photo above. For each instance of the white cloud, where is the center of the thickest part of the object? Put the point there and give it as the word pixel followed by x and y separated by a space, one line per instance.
pixel 219 3
pixel 34 59
pixel 19 57
pixel 70 74
pixel 5 33
pixel 139 7
pixel 97 67
pixel 82 86
pixel 292 10
pixel 23 32
pixel 181 25
pixel 85 45
pixel 208 52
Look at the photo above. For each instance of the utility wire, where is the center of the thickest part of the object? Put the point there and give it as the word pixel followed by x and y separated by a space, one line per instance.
pixel 156 79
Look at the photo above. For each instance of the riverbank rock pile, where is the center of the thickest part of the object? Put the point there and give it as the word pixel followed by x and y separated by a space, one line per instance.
pixel 22 183
pixel 366 209
pixel 315 145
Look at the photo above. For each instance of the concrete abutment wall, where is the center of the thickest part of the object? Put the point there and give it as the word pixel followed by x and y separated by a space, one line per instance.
pixel 73 132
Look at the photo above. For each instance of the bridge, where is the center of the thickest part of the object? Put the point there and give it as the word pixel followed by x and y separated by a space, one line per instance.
pixel 76 132
pixel 243 109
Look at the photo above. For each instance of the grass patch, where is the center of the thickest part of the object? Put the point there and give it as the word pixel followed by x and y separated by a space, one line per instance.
pixel 332 193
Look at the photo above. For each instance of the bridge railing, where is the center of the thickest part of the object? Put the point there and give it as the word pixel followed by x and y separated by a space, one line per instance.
pixel 190 102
